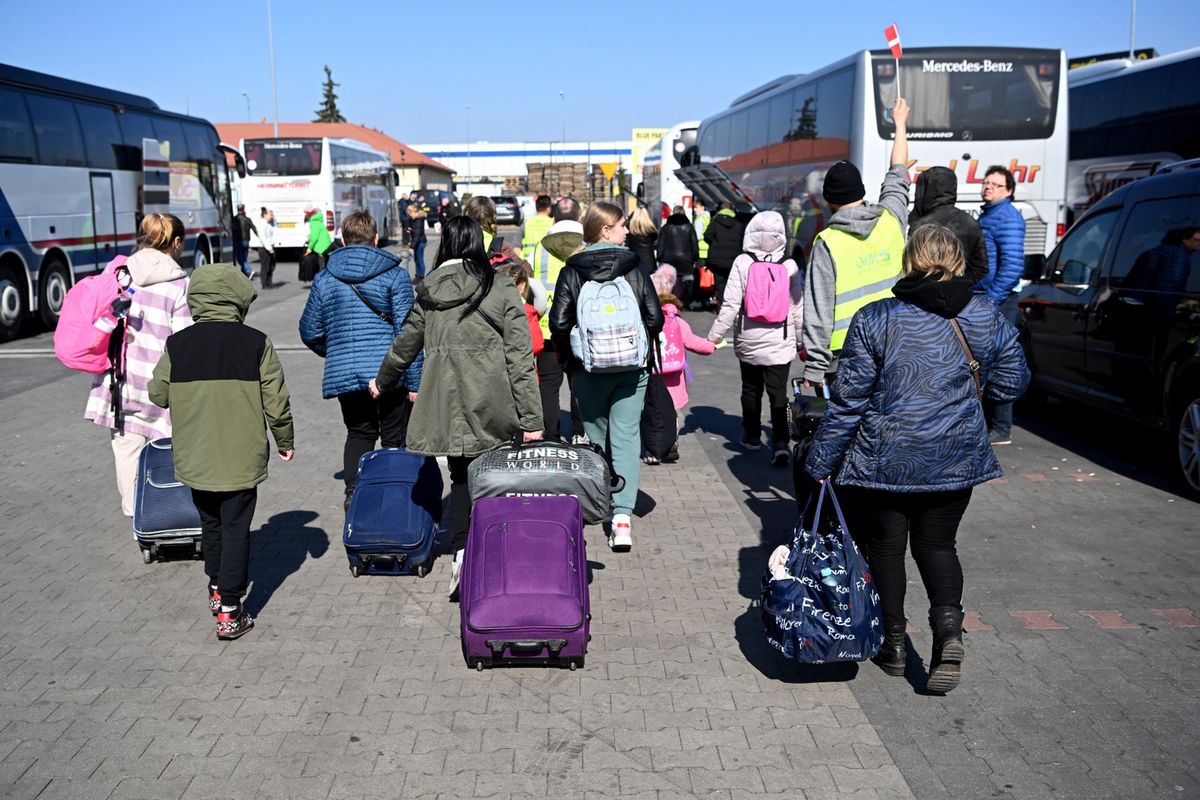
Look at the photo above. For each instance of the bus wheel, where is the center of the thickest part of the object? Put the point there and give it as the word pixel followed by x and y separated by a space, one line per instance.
pixel 55 283
pixel 199 258
pixel 12 304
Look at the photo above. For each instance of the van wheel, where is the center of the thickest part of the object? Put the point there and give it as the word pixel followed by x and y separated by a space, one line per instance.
pixel 1187 440
pixel 54 284
pixel 12 304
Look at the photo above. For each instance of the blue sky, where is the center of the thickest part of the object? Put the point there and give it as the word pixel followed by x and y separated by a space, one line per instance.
pixel 410 68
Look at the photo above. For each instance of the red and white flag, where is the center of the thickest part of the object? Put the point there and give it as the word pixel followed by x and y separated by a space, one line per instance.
pixel 892 34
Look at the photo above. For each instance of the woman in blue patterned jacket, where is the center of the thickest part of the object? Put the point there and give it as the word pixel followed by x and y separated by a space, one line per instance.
pixel 905 433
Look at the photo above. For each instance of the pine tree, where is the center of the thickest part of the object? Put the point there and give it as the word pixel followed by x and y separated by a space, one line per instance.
pixel 328 112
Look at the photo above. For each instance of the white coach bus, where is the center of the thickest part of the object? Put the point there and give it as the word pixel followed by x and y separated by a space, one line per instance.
pixel 662 190
pixel 336 176
pixel 971 107
pixel 79 167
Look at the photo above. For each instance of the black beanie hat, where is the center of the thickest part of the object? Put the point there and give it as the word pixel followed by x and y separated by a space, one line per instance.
pixel 843 184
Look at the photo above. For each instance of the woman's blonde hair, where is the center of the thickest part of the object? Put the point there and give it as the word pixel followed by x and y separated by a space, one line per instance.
pixel 599 216
pixel 483 211
pixel 159 231
pixel 934 251
pixel 640 223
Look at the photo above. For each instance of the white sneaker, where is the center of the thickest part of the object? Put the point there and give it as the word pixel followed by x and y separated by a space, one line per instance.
pixel 455 570
pixel 620 539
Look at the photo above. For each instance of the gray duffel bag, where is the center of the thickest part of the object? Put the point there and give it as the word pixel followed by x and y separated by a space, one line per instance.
pixel 531 469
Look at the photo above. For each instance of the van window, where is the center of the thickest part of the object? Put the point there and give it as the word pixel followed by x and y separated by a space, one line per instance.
pixel 1156 249
pixel 1077 259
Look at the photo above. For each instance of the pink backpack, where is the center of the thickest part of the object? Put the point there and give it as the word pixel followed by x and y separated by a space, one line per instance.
pixel 672 354
pixel 78 342
pixel 768 293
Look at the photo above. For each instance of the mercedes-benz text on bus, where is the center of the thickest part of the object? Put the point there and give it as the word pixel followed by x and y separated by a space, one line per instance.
pixel 335 176
pixel 79 167
pixel 971 107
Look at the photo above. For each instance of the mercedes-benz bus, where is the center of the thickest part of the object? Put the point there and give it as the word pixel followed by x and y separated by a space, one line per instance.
pixel 971 107
pixel 79 167
pixel 1128 119
pixel 335 176
pixel 662 190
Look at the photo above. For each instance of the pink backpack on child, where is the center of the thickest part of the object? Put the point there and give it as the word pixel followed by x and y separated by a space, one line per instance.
pixel 79 342
pixel 672 354
pixel 768 293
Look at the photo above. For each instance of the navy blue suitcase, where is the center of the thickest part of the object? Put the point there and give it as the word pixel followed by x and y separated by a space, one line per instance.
pixel 163 512
pixel 394 514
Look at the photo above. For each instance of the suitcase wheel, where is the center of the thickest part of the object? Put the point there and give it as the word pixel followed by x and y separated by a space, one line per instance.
pixel 422 570
pixel 573 666
pixel 356 570
pixel 147 555
pixel 479 666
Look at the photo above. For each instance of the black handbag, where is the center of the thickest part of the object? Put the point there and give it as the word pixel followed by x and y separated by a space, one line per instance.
pixel 658 418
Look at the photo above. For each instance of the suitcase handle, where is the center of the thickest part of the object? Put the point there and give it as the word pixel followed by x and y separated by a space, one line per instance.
pixel 498 646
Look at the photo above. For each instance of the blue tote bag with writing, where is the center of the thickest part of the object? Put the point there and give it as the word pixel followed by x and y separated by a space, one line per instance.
pixel 823 607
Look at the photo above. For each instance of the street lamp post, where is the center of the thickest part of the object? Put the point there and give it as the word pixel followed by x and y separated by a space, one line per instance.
pixel 468 145
pixel 271 48
pixel 249 118
pixel 563 147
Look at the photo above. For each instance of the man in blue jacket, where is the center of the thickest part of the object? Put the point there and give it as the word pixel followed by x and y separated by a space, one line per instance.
pixel 357 306
pixel 1003 230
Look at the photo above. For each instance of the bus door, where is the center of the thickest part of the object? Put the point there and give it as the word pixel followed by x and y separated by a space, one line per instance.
pixel 104 218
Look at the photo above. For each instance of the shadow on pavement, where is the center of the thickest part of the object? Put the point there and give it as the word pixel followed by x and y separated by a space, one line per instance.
pixel 284 542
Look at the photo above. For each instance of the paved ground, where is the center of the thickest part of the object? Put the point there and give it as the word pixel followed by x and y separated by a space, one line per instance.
pixel 1081 680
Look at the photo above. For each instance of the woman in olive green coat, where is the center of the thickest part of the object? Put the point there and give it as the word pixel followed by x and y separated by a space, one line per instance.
pixel 478 386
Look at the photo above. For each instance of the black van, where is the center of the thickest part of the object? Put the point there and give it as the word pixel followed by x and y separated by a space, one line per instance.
pixel 1112 318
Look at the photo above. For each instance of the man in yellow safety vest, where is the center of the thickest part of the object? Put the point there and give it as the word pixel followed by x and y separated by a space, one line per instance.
pixel 537 226
pixel 549 255
pixel 857 258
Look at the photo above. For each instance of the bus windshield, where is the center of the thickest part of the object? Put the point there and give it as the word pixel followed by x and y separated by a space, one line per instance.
pixel 964 97
pixel 283 157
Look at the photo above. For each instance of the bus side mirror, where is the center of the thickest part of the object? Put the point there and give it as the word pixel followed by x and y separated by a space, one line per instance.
pixel 1035 267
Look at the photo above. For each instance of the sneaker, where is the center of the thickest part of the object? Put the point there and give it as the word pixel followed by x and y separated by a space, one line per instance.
pixel 750 444
pixel 779 458
pixel 580 440
pixel 455 572
pixel 253 274
pixel 233 622
pixel 651 460
pixel 620 537
pixel 996 439
pixel 214 600
pixel 672 455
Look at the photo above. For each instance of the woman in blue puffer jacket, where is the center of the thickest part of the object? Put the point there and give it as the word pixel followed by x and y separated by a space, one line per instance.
pixel 905 433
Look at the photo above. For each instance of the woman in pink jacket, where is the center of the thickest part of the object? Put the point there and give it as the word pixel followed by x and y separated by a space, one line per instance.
pixel 157 309
pixel 765 351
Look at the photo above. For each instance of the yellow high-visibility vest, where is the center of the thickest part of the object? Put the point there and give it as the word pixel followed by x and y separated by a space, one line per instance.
pixel 867 269
pixel 701 225
pixel 536 228
pixel 546 268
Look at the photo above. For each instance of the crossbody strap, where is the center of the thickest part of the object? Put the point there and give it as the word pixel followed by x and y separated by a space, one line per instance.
pixel 385 317
pixel 972 363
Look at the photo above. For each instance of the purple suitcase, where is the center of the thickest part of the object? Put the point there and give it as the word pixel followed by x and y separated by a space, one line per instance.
pixel 524 591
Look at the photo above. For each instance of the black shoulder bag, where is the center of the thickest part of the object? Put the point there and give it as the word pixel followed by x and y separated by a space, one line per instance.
pixel 385 317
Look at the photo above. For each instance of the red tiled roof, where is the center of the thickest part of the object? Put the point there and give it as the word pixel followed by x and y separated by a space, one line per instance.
pixel 401 154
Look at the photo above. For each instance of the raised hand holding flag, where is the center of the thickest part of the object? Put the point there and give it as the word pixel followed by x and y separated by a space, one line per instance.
pixel 892 34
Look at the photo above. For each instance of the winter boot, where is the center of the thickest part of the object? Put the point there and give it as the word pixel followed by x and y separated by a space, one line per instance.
pixel 892 655
pixel 945 665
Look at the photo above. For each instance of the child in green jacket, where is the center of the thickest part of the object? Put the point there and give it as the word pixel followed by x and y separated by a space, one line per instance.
pixel 221 378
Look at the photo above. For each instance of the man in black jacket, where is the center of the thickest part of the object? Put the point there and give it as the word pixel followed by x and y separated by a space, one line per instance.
pixel 724 236
pixel 679 247
pixel 937 189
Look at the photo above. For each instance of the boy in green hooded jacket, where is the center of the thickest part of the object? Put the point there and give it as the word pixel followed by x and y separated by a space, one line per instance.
pixel 221 380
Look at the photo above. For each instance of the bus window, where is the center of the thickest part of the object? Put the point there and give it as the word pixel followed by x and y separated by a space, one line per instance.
pixel 836 96
pixel 1185 77
pixel 169 130
pixel 758 126
pixel 781 116
pixel 101 136
pixel 135 128
pixel 202 145
pixel 16 133
pixel 287 157
pixel 737 132
pixel 59 140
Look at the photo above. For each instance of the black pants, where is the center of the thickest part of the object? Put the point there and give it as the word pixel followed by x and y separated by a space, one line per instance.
pixel 774 379
pixel 460 501
pixel 550 380
pixel 225 536
pixel 882 524
pixel 266 266
pixel 368 420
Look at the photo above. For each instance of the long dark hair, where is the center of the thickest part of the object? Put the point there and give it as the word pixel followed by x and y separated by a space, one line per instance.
pixel 462 238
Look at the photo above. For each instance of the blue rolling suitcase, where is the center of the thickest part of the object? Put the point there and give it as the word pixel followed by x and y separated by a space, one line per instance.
pixel 163 513
pixel 394 514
